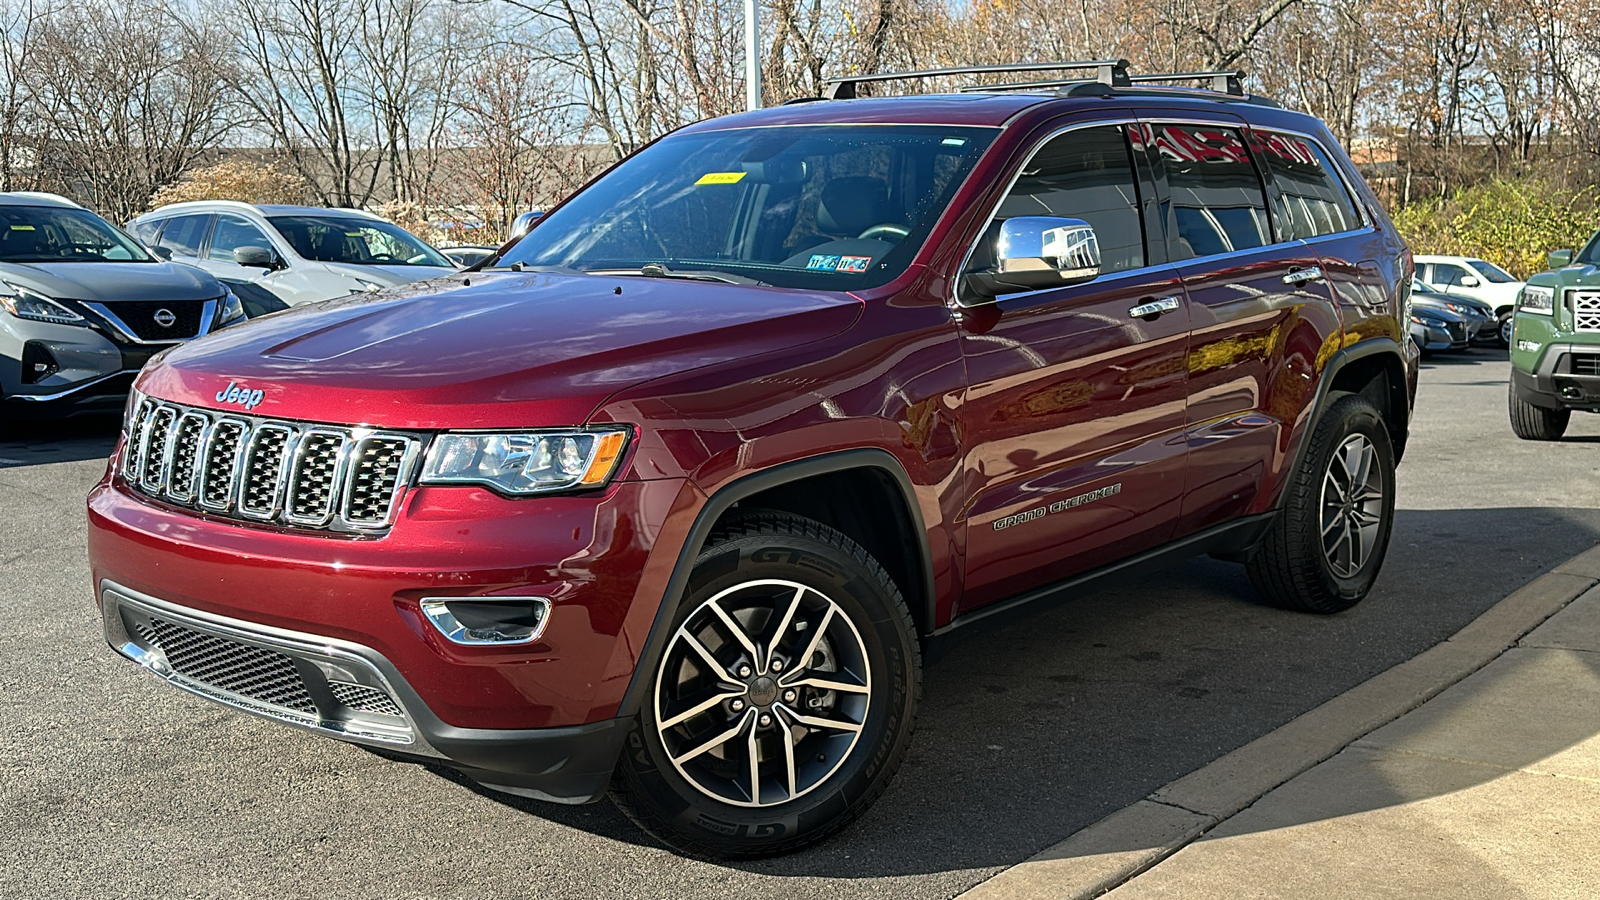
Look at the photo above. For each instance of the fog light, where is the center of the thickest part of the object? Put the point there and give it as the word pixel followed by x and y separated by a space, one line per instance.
pixel 487 620
pixel 37 363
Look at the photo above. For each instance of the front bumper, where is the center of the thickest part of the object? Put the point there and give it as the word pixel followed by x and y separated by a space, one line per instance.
pixel 338 619
pixel 1567 376
pixel 88 370
pixel 350 692
pixel 1431 338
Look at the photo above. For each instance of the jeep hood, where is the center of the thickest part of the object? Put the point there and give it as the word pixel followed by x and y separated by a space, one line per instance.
pixel 108 282
pixel 507 350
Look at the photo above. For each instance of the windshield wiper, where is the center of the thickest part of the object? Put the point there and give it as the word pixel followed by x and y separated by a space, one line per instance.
pixel 660 270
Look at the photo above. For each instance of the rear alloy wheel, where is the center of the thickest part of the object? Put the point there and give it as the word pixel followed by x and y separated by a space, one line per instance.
pixel 1535 423
pixel 1505 329
pixel 1328 541
pixel 783 700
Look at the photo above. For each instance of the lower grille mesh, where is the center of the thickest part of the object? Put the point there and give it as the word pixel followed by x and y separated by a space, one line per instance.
pixel 255 672
pixel 361 698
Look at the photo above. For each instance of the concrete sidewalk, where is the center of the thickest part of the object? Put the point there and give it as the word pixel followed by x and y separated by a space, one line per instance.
pixel 1485 782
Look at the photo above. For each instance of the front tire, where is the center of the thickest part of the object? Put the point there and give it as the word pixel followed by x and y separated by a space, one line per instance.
pixel 784 699
pixel 1324 549
pixel 1506 327
pixel 1535 423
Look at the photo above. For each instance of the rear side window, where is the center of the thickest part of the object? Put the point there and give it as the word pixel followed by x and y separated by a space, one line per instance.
pixel 1312 200
pixel 1218 205
pixel 183 234
pixel 1085 174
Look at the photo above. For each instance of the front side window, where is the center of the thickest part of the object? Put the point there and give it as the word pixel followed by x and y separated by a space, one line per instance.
pixel 1218 205
pixel 1448 276
pixel 47 234
pixel 355 241
pixel 1084 174
pixel 184 234
pixel 232 233
pixel 835 207
pixel 1590 255
pixel 1312 200
pixel 1490 272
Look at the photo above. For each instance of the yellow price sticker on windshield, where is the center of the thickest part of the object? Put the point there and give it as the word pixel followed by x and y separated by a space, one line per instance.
pixel 721 178
pixel 22 228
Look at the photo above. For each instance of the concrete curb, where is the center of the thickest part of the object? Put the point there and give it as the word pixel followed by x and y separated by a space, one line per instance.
pixel 1135 838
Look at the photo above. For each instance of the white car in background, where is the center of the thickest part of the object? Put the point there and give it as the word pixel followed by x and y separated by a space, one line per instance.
pixel 1465 276
pixel 299 254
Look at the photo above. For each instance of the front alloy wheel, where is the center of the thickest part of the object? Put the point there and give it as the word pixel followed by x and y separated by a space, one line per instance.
pixel 783 713
pixel 1352 506
pixel 784 697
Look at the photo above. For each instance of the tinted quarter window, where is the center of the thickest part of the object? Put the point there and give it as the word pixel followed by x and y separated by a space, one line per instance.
pixel 1312 200
pixel 1085 174
pixel 231 234
pixel 183 235
pixel 1218 205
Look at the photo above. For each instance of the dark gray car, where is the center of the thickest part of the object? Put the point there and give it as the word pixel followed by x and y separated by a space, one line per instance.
pixel 83 306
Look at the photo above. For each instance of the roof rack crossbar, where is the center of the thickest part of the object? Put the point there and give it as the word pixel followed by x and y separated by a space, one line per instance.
pixel 1230 82
pixel 1107 71
pixel 1022 85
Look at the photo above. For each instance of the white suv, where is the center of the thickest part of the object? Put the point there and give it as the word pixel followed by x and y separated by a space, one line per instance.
pixel 1465 276
pixel 299 254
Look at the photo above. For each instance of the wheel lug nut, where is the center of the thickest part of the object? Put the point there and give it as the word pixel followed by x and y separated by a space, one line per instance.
pixel 744 671
pixel 766 719
pixel 788 696
pixel 777 665
pixel 737 705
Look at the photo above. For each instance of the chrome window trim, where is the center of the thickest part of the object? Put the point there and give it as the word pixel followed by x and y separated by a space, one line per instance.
pixel 994 208
pixel 1240 123
pixel 208 313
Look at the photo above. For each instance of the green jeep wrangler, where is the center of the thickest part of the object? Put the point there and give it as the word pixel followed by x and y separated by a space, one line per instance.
pixel 1555 345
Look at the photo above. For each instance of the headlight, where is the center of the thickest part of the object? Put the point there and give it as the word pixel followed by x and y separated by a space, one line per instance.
pixel 128 409
pixel 1537 300
pixel 232 309
pixel 25 304
pixel 525 463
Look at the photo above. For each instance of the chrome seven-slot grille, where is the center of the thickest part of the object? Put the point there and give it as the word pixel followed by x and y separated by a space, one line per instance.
pixel 1585 310
pixel 266 470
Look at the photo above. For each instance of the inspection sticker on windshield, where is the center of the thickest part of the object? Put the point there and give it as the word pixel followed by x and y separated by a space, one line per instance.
pixel 721 178
pixel 853 264
pixel 823 262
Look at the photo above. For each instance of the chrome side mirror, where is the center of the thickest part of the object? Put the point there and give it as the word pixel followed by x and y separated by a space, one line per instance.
pixel 1036 252
pixel 524 223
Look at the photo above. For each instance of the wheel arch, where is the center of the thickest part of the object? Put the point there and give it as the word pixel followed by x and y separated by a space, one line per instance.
pixel 1375 369
pixel 791 487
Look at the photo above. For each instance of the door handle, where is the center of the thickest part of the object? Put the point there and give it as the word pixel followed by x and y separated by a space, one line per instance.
pixel 1303 276
pixel 1155 307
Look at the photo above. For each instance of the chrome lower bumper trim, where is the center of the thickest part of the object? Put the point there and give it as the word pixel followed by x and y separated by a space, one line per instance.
pixel 46 398
pixel 322 662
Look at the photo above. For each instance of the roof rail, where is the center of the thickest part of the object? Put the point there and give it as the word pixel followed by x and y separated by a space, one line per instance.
pixel 1231 82
pixel 1111 72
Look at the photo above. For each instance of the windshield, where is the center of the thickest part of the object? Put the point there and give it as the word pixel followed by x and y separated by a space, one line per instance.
pixel 1491 272
pixel 356 241
pixel 45 234
pixel 1591 253
pixel 836 207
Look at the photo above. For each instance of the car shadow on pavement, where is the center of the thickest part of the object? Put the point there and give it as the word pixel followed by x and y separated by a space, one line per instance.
pixel 27 441
pixel 1031 732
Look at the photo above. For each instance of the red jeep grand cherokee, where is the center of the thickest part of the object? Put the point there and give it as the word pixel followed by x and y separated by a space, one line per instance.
pixel 673 497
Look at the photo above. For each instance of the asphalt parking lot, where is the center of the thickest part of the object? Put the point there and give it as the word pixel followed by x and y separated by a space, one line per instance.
pixel 113 785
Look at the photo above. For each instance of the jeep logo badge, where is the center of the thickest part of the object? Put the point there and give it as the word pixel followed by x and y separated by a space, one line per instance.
pixel 240 395
pixel 165 318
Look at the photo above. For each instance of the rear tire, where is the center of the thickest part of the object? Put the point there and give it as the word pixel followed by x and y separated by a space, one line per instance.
pixel 1324 549
pixel 788 689
pixel 1535 423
